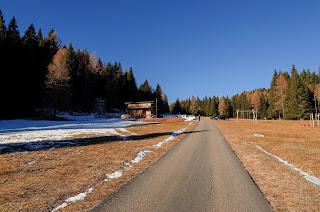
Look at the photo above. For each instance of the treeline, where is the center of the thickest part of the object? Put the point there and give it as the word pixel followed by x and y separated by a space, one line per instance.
pixel 38 74
pixel 292 95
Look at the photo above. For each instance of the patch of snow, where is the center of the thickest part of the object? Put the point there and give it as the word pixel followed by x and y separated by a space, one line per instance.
pixel 170 138
pixel 140 156
pixel 78 117
pixel 308 177
pixel 63 205
pixel 25 131
pixel 158 145
pixel 80 196
pixel 258 135
pixel 115 174
pixel 52 135
pixel 191 118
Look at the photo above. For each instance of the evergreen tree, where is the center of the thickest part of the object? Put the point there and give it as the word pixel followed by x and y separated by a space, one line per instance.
pixel 162 100
pixel 272 111
pixel 30 37
pixel 73 69
pixel 130 89
pixel 176 108
pixel 40 38
pixel 12 33
pixel 262 110
pixel 298 100
pixel 2 28
pixel 145 92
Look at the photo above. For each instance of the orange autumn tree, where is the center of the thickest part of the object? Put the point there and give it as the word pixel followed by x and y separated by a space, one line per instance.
pixel 223 107
pixel 58 88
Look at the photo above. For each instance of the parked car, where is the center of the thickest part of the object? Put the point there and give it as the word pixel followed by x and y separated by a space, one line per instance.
pixel 221 117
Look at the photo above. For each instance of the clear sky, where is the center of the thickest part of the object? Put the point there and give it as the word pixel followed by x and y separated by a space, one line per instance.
pixel 201 48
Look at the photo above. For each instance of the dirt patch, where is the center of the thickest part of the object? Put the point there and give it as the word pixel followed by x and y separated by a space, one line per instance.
pixel 43 180
pixel 293 141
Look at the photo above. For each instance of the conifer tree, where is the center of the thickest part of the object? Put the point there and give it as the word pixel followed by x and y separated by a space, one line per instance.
pixel 177 107
pixel 130 86
pixel 145 91
pixel 12 33
pixel 30 37
pixel 298 100
pixel 40 38
pixel 262 110
pixel 2 28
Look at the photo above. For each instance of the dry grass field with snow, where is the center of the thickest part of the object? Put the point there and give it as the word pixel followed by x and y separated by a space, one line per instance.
pixel 283 157
pixel 79 176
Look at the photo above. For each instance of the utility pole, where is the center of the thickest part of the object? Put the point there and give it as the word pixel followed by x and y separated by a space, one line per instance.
pixel 315 103
pixel 156 107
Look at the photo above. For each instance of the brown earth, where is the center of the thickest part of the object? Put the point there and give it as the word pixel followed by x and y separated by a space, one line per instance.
pixel 293 141
pixel 42 180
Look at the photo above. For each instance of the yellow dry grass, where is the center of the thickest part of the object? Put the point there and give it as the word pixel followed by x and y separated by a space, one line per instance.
pixel 293 141
pixel 42 180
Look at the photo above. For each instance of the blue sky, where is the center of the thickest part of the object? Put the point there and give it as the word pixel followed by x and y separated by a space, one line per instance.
pixel 201 48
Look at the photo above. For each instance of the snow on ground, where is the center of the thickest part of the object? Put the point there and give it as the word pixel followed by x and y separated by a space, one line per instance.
pixel 258 135
pixel 52 135
pixel 114 175
pixel 308 177
pixel 140 156
pixel 170 138
pixel 80 196
pixel 37 134
pixel 63 205
pixel 76 198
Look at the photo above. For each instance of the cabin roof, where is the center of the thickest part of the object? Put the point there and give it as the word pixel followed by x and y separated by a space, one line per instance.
pixel 142 102
pixel 139 108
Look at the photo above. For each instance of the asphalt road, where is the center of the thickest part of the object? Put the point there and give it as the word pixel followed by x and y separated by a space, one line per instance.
pixel 201 173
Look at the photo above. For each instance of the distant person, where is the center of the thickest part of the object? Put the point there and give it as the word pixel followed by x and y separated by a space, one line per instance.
pixel 199 117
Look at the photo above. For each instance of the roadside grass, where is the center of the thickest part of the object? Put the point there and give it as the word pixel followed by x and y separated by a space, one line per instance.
pixel 42 180
pixel 293 141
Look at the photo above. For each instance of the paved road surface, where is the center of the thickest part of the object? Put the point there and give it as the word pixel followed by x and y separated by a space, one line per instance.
pixel 201 173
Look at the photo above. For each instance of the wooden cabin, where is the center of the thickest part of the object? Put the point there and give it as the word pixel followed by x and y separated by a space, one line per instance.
pixel 143 109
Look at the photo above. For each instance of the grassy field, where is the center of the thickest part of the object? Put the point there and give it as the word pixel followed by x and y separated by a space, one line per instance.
pixel 43 180
pixel 293 141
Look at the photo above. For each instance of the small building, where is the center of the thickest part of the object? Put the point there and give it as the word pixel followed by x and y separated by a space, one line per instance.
pixel 143 109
